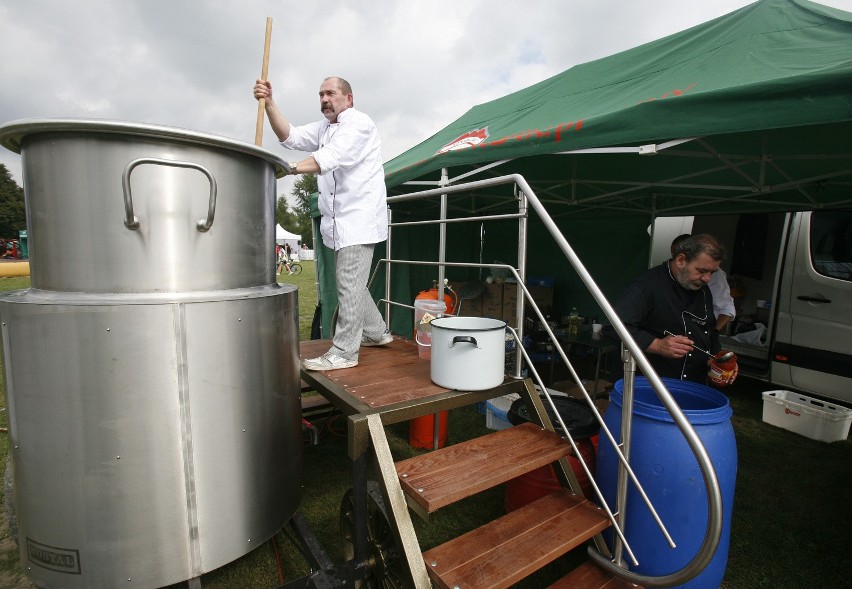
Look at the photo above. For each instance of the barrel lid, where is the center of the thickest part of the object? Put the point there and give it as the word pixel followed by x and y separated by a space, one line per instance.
pixel 12 135
pixel 578 417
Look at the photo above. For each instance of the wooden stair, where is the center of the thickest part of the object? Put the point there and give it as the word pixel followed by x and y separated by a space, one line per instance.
pixel 510 548
pixel 589 575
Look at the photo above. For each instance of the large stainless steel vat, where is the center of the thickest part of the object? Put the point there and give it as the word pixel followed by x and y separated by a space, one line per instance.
pixel 153 396
pixel 86 181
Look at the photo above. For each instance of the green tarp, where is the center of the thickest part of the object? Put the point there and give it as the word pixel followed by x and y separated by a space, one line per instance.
pixel 748 112
pixel 767 89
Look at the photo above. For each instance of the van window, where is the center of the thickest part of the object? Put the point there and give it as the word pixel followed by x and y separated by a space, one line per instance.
pixel 831 243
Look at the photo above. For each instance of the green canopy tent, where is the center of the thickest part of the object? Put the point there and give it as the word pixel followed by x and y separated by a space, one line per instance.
pixel 748 112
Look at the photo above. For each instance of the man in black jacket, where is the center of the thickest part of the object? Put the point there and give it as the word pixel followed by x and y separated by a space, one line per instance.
pixel 674 298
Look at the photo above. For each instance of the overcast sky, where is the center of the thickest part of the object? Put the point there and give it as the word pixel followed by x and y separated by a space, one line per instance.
pixel 414 65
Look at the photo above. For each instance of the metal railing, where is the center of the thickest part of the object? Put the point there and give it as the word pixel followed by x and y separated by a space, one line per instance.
pixel 631 355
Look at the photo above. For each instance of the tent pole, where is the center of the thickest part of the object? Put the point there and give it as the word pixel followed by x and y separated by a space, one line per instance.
pixel 317 280
pixel 442 257
pixel 523 222
pixel 653 229
pixel 442 235
pixel 388 271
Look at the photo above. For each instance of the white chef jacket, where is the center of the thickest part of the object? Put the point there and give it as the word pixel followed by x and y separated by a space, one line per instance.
pixel 723 302
pixel 351 183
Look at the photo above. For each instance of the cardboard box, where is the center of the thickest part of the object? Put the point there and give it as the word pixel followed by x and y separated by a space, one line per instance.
pixel 492 301
pixel 541 295
pixel 570 388
pixel 510 299
pixel 469 307
pixel 499 301
pixel 806 416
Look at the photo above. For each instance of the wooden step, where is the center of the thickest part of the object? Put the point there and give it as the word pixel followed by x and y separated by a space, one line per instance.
pixel 512 547
pixel 590 576
pixel 444 476
pixel 314 402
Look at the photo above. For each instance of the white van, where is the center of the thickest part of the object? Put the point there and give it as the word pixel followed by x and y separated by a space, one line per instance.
pixel 791 278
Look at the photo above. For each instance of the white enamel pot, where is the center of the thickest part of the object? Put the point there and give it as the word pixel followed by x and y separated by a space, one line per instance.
pixel 468 353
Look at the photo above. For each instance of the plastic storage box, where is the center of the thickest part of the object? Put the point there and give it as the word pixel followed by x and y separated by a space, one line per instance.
pixel 806 416
pixel 497 410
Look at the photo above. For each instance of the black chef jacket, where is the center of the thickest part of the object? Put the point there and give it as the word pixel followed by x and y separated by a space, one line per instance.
pixel 656 302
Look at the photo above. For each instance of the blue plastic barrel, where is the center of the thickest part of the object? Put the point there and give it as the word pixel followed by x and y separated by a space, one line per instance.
pixel 669 473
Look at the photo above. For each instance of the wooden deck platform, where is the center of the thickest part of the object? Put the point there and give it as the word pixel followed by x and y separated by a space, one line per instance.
pixel 390 380
pixel 385 375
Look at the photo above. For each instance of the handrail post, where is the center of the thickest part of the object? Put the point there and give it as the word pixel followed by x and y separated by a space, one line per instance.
pixel 520 301
pixel 442 257
pixel 626 433
pixel 442 235
pixel 388 271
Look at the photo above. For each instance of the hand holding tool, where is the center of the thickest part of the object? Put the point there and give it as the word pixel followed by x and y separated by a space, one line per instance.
pixel 723 358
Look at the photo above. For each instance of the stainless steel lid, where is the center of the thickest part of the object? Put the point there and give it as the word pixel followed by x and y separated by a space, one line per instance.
pixel 13 133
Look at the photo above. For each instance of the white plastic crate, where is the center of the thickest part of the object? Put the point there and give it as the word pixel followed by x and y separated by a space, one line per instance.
pixel 806 416
pixel 496 411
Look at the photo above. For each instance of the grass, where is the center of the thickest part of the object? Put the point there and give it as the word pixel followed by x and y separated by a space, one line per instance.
pixel 306 281
pixel 790 523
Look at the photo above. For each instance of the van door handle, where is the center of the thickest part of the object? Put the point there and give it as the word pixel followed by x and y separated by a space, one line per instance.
pixel 813 299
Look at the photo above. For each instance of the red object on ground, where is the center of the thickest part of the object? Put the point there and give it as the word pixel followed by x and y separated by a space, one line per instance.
pixel 421 431
pixel 542 481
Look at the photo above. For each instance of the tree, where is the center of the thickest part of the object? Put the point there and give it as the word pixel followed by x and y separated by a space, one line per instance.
pixel 298 218
pixel 13 216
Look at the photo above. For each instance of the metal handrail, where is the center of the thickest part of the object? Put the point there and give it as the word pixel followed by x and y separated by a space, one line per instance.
pixel 538 380
pixel 632 351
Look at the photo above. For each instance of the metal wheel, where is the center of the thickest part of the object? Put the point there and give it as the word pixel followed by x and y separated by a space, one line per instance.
pixel 386 564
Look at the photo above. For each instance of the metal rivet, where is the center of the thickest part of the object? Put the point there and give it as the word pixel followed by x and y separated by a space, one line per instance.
pixel 244 429
pixel 434 563
pixel 118 457
pixel 419 490
pixel 405 474
pixel 107 328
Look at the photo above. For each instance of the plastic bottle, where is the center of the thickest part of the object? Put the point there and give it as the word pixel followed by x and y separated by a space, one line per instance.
pixel 574 321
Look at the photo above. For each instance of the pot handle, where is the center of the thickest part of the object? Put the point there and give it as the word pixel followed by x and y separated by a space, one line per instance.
pixel 464 338
pixel 131 221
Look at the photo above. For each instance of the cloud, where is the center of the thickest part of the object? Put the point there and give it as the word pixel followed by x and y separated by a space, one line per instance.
pixel 415 66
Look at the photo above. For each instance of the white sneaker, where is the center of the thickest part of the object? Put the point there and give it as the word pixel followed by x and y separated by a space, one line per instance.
pixel 382 340
pixel 328 361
